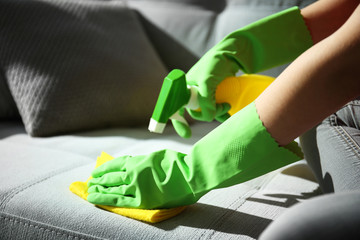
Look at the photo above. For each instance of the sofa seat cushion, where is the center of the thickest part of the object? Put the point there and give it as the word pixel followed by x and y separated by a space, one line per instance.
pixel 36 202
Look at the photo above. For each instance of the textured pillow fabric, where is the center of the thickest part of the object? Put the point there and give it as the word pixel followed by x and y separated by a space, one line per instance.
pixel 76 65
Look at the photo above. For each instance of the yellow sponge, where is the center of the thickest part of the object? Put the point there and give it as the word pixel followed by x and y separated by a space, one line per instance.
pixel 152 216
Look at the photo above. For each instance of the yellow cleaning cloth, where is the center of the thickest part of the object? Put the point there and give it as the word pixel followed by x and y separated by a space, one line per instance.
pixel 152 216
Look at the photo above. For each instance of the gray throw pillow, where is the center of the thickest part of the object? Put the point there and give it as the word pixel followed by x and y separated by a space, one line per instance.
pixel 78 65
pixel 8 110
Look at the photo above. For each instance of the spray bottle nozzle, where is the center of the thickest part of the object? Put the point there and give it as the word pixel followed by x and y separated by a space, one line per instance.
pixel 174 94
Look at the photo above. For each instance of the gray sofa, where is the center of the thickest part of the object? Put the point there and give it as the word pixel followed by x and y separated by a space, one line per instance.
pixel 64 100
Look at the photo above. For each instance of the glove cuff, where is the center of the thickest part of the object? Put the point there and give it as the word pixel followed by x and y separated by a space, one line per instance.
pixel 269 42
pixel 238 150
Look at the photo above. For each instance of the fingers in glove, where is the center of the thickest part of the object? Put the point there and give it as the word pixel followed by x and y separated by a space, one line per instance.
pixel 114 165
pixel 205 114
pixel 222 118
pixel 110 179
pixel 181 128
pixel 123 190
pixel 113 200
pixel 222 110
pixel 180 124
pixel 207 110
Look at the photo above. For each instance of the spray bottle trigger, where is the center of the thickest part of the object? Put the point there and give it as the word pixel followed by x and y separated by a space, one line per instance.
pixel 193 102
pixel 180 124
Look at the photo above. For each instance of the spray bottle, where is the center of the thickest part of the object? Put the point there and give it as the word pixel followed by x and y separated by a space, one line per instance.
pixel 175 94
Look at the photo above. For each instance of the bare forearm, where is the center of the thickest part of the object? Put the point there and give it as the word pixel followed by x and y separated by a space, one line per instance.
pixel 324 17
pixel 315 85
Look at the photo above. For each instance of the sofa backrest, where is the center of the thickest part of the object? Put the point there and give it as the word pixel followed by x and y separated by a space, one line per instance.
pixel 180 31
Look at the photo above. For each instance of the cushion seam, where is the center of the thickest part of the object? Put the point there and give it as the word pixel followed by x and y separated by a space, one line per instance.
pixel 42 227
pixel 25 186
pixel 245 196
pixel 221 218
pixel 41 147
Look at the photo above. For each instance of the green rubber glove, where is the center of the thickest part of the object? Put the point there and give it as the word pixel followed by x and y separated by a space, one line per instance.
pixel 266 43
pixel 238 150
